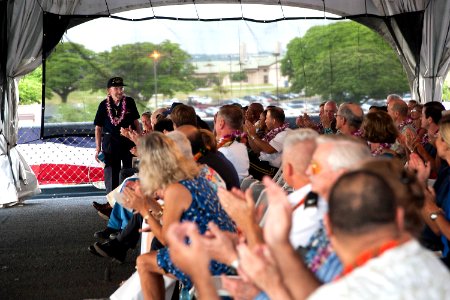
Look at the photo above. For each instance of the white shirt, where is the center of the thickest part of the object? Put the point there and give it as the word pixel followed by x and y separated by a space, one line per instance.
pixel 274 159
pixel 237 154
pixel 408 271
pixel 304 221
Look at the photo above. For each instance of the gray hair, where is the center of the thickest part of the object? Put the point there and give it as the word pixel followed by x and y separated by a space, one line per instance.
pixel 299 135
pixel 306 137
pixel 182 142
pixel 352 119
pixel 394 97
pixel 345 152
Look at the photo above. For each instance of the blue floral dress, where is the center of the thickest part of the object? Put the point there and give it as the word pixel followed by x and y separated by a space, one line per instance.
pixel 205 207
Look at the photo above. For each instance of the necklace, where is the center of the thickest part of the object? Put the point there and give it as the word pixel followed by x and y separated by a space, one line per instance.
pixel 367 255
pixel 379 150
pixel 228 139
pixel 114 120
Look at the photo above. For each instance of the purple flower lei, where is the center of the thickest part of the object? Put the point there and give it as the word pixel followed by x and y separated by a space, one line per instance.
pixel 114 120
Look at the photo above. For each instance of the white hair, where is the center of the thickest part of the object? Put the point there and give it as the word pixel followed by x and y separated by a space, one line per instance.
pixel 344 152
pixel 298 148
pixel 299 135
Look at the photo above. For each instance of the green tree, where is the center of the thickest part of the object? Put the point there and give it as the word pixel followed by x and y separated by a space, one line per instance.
pixel 30 87
pixel 66 68
pixel 446 92
pixel 239 76
pixel 343 61
pixel 133 63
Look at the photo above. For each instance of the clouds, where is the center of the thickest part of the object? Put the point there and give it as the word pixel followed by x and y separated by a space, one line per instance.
pixel 197 37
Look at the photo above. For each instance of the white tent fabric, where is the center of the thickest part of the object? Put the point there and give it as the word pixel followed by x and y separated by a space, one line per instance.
pixel 426 64
pixel 24 52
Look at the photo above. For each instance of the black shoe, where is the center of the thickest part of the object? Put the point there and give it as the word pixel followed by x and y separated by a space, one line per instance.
pixel 99 206
pixel 93 251
pixel 112 249
pixel 114 235
pixel 105 212
pixel 105 234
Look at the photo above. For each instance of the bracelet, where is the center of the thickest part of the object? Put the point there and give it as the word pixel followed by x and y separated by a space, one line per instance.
pixel 158 215
pixel 235 263
pixel 146 217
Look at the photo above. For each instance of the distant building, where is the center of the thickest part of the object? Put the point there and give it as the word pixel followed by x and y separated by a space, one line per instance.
pixel 260 70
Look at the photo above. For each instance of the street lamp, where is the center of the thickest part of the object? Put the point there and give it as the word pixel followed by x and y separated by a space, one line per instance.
pixel 231 84
pixel 155 56
pixel 276 54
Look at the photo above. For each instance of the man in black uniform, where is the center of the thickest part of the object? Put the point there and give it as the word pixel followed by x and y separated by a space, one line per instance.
pixel 115 112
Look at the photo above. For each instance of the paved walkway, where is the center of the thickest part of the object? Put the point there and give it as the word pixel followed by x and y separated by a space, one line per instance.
pixel 43 252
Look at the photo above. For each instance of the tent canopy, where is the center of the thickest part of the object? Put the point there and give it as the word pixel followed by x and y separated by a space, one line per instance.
pixel 417 29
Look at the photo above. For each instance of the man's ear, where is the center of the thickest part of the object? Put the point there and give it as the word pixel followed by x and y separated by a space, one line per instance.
pixel 221 123
pixel 289 169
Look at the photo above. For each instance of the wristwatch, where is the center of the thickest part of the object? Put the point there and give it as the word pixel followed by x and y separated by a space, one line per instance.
pixel 434 215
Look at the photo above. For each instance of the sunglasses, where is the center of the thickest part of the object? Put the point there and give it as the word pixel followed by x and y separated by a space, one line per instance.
pixel 315 167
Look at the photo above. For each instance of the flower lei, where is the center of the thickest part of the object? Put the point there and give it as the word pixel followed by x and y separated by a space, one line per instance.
pixel 379 150
pixel 358 133
pixel 228 139
pixel 114 120
pixel 405 122
pixel 201 152
pixel 271 134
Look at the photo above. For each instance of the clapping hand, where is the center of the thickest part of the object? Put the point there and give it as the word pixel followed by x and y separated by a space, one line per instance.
pixel 279 215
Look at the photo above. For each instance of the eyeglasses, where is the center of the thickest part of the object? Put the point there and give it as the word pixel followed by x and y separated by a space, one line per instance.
pixel 315 167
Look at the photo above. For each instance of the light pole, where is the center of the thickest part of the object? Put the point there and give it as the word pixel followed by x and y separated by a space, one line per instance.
pixel 276 54
pixel 155 56
pixel 231 84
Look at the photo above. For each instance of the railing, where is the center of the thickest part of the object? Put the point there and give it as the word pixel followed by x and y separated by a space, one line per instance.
pixel 67 158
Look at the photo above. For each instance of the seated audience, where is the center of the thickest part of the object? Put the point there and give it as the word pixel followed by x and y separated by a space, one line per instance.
pixel 268 148
pixel 230 139
pixel 254 112
pixel 398 110
pixel 204 149
pixel 183 114
pixel 381 260
pixel 436 213
pixel 328 118
pixel 187 197
pixel 349 119
pixel 380 133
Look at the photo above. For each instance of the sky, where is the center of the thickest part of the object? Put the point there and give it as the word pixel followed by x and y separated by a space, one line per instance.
pixel 198 37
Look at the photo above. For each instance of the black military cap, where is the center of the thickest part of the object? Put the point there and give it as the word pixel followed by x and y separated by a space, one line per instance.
pixel 115 81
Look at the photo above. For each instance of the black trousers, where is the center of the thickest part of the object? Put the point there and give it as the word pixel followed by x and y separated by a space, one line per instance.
pixel 114 162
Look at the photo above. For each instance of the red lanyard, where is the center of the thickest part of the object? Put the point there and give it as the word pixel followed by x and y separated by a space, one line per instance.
pixel 367 255
pixel 299 204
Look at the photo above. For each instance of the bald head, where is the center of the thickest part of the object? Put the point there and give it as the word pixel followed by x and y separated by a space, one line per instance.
pixel 360 202
pixel 330 108
pixel 349 117
pixel 397 109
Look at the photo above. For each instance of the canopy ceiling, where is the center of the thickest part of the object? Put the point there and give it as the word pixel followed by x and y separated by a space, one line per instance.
pixel 338 7
pixel 417 29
